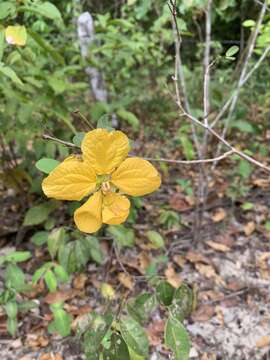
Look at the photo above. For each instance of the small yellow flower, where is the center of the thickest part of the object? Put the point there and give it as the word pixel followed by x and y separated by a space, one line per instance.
pixel 105 171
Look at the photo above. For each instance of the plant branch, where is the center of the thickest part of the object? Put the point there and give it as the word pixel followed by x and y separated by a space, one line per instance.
pixel 65 143
pixel 191 162
pixel 231 103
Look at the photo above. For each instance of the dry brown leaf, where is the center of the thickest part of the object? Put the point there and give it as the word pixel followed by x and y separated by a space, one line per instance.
pixel 51 356
pixel 36 341
pixel 26 358
pixel 210 273
pixel 179 260
pixel 195 257
pixel 219 215
pixel 60 296
pixel 155 332
pixel 203 313
pixel 172 277
pixel 80 281
pixel 179 202
pixel 126 280
pixel 219 314
pixel 262 260
pixel 249 228
pixel 217 246
pixel 144 261
pixel 262 183
pixel 208 357
pixel 263 341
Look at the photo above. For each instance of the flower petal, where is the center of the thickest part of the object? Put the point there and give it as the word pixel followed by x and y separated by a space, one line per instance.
pixel 136 177
pixel 88 217
pixel 105 150
pixel 71 180
pixel 115 208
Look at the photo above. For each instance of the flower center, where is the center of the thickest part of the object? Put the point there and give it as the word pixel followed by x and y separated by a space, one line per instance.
pixel 106 187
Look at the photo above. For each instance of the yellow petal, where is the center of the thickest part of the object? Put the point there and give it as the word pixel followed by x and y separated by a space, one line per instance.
pixel 105 150
pixel 71 180
pixel 136 177
pixel 88 217
pixel 115 208
pixel 16 35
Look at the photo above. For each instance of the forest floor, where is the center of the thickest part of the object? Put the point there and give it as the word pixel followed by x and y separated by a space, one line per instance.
pixel 228 266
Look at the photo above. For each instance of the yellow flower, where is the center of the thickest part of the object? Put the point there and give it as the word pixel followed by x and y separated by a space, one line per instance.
pixel 105 171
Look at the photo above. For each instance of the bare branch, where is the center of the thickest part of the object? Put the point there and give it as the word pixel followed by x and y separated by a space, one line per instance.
pixel 65 143
pixel 235 96
pixel 191 162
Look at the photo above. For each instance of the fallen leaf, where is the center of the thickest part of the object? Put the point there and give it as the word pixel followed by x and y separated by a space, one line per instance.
pixel 203 313
pixel 80 281
pixel 179 202
pixel 262 183
pixel 208 357
pixel 195 257
pixel 179 260
pixel 172 277
pixel 249 228
pixel 155 332
pixel 126 280
pixel 217 246
pixel 219 215
pixel 263 341
pixel 60 296
pixel 51 356
pixel 210 273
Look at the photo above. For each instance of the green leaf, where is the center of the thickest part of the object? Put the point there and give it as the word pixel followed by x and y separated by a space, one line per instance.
pixel 7 8
pixel 249 23
pixel 247 206
pixel 7 71
pixel 243 126
pixel 15 277
pixel 61 273
pixel 40 238
pixel 156 239
pixel 41 271
pixel 11 309
pixel 134 356
pixel 62 321
pixel 27 305
pixel 50 281
pixel 129 117
pixel 46 9
pixel 94 249
pixel 12 325
pixel 37 214
pixel 55 239
pixel 96 330
pixel 47 165
pixel 187 145
pixel 18 256
pixel 78 138
pixel 267 225
pixel 182 302
pixel 123 236
pixel 118 349
pixel 134 336
pixel 141 307
pixel 104 122
pixel 165 292
pixel 244 169
pixel 232 51
pixel 177 339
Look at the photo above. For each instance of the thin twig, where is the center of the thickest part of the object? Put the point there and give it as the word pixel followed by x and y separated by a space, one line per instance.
pixel 82 117
pixel 226 143
pixel 65 143
pixel 191 162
